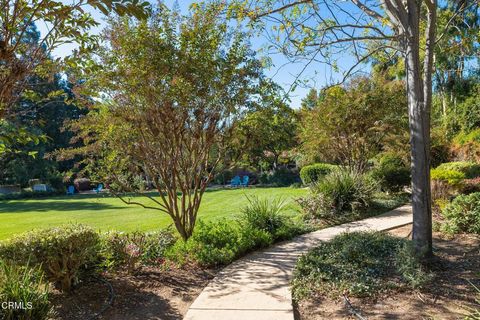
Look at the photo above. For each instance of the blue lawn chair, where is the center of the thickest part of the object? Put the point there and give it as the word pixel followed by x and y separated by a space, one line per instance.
pixel 70 190
pixel 236 182
pixel 244 183
pixel 99 188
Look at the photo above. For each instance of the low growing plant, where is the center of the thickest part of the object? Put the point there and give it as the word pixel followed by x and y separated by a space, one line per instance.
pixel 25 287
pixel 219 243
pixel 62 252
pixel 269 216
pixel 129 250
pixel 360 264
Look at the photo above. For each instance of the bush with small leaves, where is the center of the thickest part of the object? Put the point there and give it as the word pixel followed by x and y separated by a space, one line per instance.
pixel 314 172
pixel 470 169
pixel 360 264
pixel 62 252
pixel 215 243
pixel 462 214
pixel 130 250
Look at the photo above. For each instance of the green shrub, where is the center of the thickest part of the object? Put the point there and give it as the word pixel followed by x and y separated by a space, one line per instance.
pixel 464 138
pixel 218 243
pixel 466 145
pixel 128 250
pixel 391 172
pixel 462 214
pixel 314 172
pixel 469 169
pixel 359 263
pixel 61 251
pixel 342 191
pixel 25 287
pixel 155 246
pixel 446 183
pixel 409 267
pixel 452 177
pixel 215 243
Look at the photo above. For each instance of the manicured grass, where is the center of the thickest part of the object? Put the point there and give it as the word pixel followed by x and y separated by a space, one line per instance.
pixel 106 212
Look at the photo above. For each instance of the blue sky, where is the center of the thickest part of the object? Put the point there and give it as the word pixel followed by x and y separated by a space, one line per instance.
pixel 281 71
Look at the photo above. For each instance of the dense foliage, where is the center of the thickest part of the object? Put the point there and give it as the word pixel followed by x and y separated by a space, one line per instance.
pixel 358 264
pixel 351 124
pixel 263 136
pixel 462 214
pixel 128 251
pixel 217 243
pixel 391 172
pixel 62 252
pixel 314 172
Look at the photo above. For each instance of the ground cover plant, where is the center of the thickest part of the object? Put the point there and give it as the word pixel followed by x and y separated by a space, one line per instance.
pixel 358 264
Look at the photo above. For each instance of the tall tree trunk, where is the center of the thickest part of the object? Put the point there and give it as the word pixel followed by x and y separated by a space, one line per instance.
pixel 419 101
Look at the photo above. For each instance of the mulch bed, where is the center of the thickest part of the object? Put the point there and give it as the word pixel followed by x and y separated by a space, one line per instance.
pixel 150 293
pixel 448 296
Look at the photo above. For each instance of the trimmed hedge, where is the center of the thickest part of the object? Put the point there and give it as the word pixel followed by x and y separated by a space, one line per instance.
pixel 314 172
pixel 62 252
pixel 452 177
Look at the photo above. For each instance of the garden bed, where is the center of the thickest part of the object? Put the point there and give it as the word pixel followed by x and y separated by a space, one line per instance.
pixel 150 293
pixel 448 296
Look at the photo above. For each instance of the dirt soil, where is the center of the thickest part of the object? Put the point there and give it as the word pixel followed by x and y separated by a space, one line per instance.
pixel 447 297
pixel 151 293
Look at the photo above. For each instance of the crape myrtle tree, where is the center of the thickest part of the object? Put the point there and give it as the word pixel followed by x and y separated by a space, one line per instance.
pixel 169 88
pixel 323 31
pixel 26 53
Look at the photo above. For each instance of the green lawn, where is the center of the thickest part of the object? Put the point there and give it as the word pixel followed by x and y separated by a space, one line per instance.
pixel 105 212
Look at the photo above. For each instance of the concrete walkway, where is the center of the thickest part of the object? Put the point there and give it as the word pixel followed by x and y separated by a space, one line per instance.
pixel 257 287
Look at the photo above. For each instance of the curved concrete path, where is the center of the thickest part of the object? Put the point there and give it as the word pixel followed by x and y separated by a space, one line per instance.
pixel 257 287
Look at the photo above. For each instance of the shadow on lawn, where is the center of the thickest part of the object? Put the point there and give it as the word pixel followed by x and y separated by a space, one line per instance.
pixel 54 205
